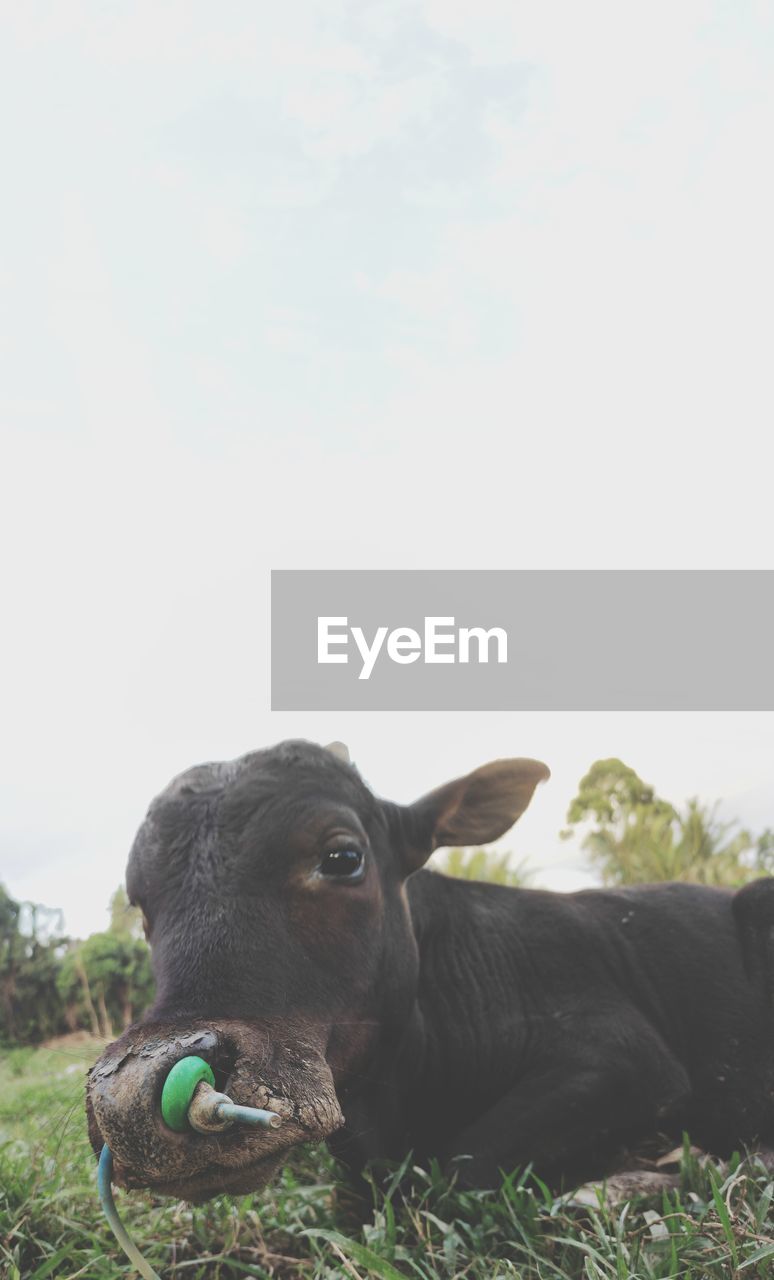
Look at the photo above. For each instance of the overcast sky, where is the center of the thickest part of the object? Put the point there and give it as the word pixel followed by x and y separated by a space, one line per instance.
pixel 406 284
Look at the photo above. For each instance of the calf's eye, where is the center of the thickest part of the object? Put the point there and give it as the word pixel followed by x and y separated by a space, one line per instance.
pixel 342 864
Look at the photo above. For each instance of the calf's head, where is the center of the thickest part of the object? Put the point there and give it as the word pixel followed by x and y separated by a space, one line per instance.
pixel 273 890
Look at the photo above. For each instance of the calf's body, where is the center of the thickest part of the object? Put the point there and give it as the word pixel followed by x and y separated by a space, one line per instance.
pixel 559 1029
pixel 300 947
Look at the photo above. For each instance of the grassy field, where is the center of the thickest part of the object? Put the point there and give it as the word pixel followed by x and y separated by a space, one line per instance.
pixel 717 1225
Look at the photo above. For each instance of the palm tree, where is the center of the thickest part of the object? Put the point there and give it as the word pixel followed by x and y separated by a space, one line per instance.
pixel 491 865
pixel 639 838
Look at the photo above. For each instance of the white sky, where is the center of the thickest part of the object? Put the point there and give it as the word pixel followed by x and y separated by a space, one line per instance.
pixel 422 284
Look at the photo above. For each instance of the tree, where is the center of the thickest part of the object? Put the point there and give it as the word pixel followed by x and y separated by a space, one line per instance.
pixel 633 836
pixel 764 853
pixel 9 960
pixel 482 864
pixel 125 920
pixel 10 957
pixel 31 945
pixel 108 980
pixel 49 983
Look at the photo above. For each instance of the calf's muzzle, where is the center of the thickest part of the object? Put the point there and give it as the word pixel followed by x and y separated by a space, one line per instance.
pixel 279 1070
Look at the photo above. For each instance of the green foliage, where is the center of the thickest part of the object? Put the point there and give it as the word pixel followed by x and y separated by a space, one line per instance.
pixel 125 920
pixel 633 836
pixel 50 984
pixel 19 1059
pixel 716 1225
pixel 610 792
pixel 109 974
pixel 764 853
pixel 30 953
pixel 482 864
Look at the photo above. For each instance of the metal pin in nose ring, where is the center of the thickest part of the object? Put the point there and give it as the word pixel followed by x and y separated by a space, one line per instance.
pixel 190 1099
pixel 211 1112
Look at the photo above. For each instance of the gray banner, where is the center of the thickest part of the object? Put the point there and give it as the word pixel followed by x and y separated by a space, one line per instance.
pixel 521 640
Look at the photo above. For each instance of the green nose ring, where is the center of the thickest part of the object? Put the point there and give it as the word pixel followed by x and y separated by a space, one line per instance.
pixel 179 1088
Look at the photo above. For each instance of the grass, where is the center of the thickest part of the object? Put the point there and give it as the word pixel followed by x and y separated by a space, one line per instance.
pixel 719 1224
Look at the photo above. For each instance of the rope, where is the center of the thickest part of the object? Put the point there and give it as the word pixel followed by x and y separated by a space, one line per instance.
pixel 104 1179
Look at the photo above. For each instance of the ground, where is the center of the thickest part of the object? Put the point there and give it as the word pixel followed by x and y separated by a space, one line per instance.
pixel 719 1223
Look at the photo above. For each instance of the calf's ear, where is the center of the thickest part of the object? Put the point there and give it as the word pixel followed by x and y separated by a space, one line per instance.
pixel 471 810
